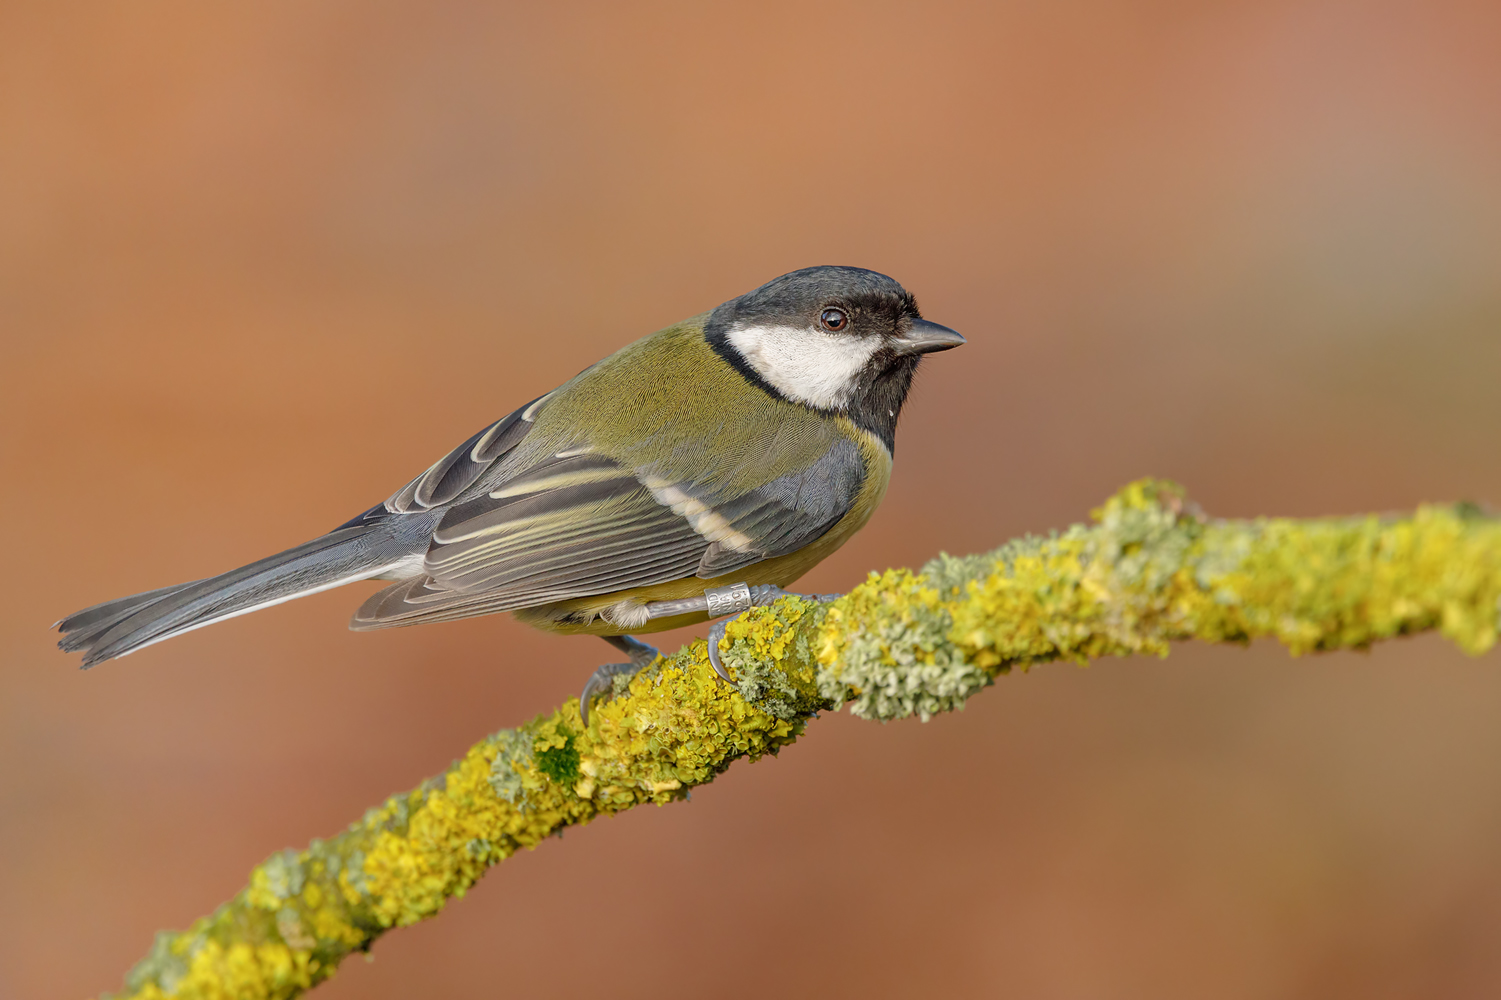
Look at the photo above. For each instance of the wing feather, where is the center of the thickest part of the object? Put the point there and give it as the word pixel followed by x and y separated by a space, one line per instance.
pixel 448 477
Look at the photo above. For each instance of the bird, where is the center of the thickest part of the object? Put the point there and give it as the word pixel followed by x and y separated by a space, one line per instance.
pixel 692 474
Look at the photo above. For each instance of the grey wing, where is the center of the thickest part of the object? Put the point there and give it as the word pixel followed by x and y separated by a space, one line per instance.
pixel 579 525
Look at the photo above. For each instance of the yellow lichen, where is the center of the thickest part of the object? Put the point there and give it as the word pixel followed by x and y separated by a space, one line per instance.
pixel 1148 572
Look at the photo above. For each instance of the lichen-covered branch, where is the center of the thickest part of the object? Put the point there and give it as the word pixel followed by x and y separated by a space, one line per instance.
pixel 1148 571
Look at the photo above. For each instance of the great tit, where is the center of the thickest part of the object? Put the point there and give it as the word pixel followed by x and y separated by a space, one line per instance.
pixel 692 474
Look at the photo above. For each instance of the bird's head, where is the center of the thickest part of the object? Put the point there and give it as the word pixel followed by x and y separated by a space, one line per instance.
pixel 838 339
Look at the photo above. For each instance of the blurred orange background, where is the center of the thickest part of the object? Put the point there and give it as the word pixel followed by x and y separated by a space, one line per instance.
pixel 262 263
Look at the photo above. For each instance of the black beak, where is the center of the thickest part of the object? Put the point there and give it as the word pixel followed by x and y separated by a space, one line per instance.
pixel 923 337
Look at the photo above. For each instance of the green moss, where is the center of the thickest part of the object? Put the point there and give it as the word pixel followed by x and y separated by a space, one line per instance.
pixel 560 763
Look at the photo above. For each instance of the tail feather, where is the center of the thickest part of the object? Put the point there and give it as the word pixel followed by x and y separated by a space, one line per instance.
pixel 81 628
pixel 123 626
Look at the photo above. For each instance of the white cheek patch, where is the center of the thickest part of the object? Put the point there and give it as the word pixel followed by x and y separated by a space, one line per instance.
pixel 808 365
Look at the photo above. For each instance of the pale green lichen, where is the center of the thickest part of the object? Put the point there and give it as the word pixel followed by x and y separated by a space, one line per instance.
pixel 895 658
pixel 1149 571
pixel 163 968
pixel 280 876
pixel 951 574
pixel 512 754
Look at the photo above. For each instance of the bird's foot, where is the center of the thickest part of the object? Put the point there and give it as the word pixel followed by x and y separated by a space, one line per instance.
pixel 760 597
pixel 602 681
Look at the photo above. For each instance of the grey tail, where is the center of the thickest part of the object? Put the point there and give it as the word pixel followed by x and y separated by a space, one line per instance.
pixel 127 624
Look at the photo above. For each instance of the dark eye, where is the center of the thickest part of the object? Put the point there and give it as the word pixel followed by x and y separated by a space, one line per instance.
pixel 834 319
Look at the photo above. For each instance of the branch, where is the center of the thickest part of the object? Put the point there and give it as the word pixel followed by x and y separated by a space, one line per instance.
pixel 1149 571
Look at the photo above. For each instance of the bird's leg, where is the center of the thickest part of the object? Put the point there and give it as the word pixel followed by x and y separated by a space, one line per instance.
pixel 741 599
pixel 733 600
pixel 602 681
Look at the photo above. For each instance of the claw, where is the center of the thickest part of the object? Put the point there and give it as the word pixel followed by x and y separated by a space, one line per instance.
pixel 599 682
pixel 760 597
pixel 716 636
